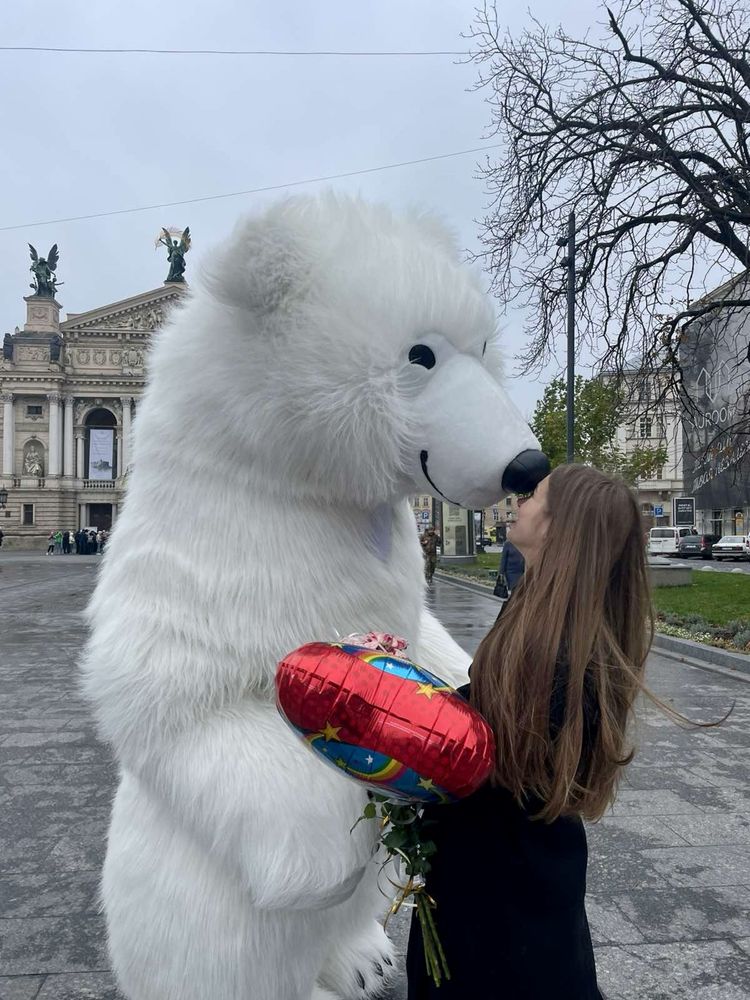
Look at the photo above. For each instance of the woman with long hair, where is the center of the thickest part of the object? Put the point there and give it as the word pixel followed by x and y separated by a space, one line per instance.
pixel 556 677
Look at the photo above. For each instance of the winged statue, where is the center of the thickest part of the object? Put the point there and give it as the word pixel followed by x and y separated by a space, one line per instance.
pixel 176 250
pixel 43 269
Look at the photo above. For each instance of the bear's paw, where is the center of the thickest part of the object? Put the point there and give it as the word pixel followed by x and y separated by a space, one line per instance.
pixel 362 966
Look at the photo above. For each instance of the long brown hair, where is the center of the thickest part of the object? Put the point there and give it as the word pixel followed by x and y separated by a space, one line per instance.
pixel 578 627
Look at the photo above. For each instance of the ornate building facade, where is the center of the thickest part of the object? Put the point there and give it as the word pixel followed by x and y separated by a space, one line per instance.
pixel 69 393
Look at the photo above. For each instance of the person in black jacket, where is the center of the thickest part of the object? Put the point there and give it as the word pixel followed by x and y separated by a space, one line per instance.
pixel 511 570
pixel 567 651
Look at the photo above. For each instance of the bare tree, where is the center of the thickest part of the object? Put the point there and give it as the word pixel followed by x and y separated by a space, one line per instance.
pixel 641 127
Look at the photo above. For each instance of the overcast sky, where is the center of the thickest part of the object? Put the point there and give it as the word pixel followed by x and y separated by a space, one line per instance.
pixel 94 133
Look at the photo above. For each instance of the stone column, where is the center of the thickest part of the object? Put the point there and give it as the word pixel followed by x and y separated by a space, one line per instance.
pixel 53 465
pixel 80 453
pixel 9 433
pixel 68 438
pixel 127 402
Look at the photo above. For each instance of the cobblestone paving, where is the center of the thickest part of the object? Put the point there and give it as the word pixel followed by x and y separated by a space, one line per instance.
pixel 669 874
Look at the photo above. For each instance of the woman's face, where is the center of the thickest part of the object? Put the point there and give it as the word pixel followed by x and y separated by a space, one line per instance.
pixel 529 530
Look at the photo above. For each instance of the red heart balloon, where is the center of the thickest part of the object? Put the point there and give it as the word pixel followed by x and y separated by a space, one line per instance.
pixel 385 721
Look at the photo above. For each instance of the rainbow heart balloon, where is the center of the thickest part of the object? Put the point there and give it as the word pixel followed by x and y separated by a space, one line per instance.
pixel 385 721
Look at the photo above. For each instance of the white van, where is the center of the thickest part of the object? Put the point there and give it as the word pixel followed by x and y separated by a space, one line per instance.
pixel 666 541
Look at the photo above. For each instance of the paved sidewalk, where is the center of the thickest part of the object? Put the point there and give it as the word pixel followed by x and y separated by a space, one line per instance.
pixel 669 876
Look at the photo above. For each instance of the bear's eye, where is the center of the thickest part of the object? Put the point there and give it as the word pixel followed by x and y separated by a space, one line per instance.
pixel 422 355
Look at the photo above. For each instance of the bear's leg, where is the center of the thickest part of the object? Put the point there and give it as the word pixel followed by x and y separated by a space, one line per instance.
pixel 181 927
pixel 361 961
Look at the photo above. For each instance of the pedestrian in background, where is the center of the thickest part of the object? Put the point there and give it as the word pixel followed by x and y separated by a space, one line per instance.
pixel 556 677
pixel 66 542
pixel 430 541
pixel 1 537
pixel 50 543
pixel 91 548
pixel 511 570
pixel 58 542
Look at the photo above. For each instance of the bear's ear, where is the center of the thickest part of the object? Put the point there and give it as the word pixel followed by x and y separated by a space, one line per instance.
pixel 263 264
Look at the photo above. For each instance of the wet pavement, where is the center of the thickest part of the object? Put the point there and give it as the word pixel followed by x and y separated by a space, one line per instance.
pixel 669 871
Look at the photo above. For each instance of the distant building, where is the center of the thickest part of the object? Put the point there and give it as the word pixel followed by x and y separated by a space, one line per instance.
pixel 715 359
pixel 69 393
pixel 422 507
pixel 493 521
pixel 653 419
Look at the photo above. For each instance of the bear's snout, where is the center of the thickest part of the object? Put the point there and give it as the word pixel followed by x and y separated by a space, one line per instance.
pixel 526 471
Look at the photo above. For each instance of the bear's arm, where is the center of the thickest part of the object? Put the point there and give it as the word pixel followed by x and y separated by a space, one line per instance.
pixel 440 653
pixel 232 775
pixel 264 807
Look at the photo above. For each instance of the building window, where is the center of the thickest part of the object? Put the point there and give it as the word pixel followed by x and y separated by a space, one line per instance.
pixel 495 514
pixel 28 514
pixel 716 523
pixel 33 411
pixel 644 427
pixel 508 501
pixel 659 473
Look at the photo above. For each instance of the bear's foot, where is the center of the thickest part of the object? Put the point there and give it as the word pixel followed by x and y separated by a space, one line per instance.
pixel 360 966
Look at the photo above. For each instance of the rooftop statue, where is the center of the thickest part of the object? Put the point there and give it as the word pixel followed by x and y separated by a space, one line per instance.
pixel 176 250
pixel 45 280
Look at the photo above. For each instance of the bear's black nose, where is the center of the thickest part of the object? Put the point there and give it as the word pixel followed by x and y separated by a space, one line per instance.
pixel 525 472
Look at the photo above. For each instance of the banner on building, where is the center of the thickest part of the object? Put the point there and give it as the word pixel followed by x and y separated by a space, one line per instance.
pixel 101 453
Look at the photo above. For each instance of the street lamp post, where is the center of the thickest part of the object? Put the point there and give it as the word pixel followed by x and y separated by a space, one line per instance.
pixel 569 263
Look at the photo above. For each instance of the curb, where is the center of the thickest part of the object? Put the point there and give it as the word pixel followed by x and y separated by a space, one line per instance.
pixel 477 588
pixel 693 654
pixel 698 654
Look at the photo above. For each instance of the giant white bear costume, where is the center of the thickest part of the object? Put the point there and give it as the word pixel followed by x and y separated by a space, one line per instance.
pixel 333 360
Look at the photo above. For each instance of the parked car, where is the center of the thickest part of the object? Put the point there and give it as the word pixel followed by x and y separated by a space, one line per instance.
pixel 732 547
pixel 666 541
pixel 485 541
pixel 697 545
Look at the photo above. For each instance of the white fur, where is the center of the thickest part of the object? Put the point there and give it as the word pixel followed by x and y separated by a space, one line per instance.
pixel 275 445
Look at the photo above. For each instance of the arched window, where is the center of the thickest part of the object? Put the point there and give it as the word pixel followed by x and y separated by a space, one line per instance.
pixel 100 448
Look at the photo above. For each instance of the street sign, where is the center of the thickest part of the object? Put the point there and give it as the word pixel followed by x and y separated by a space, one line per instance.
pixel 425 515
pixel 658 512
pixel 683 510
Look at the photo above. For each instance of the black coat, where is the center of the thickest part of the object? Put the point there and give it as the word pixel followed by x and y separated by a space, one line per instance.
pixel 510 904
pixel 512 564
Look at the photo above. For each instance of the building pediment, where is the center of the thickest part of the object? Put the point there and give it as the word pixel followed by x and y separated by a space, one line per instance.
pixel 145 312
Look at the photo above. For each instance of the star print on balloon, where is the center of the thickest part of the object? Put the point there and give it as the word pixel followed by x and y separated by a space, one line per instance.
pixel 385 721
